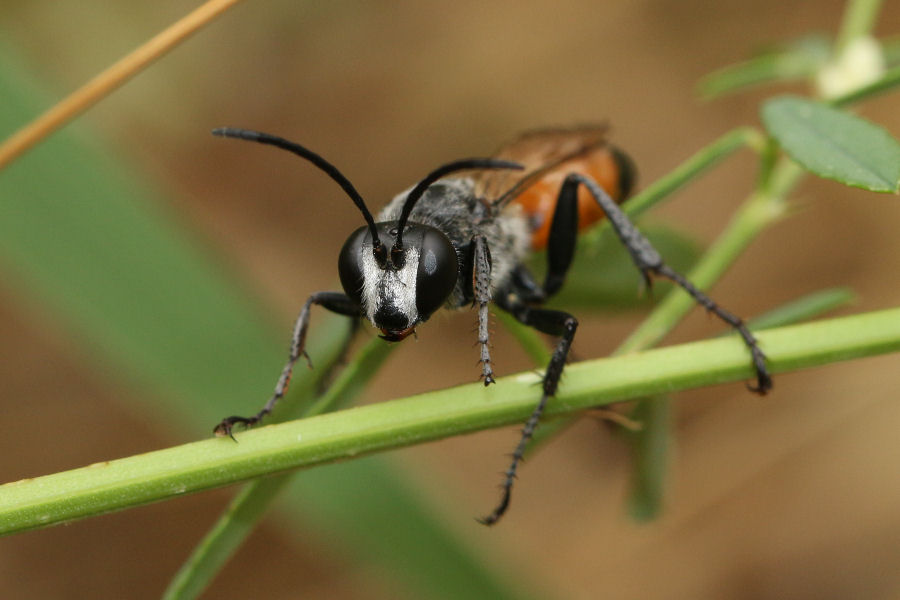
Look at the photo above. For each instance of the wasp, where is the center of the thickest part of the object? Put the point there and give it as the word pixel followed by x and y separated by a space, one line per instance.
pixel 457 241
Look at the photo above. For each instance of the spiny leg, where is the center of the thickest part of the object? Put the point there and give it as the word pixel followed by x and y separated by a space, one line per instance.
pixel 481 286
pixel 333 301
pixel 516 297
pixel 551 322
pixel 763 380
pixel 648 261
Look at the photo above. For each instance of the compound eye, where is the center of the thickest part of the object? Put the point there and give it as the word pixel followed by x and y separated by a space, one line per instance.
pixel 438 270
pixel 349 264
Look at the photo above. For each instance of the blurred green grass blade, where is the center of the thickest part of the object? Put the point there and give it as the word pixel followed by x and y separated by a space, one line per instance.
pixel 224 538
pixel 804 308
pixel 395 513
pixel 650 453
pixel 834 144
pixel 391 542
pixel 248 507
pixel 891 48
pixel 91 247
pixel 90 244
pixel 789 62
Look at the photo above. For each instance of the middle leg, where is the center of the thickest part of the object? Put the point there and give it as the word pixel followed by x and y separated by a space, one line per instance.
pixel 551 322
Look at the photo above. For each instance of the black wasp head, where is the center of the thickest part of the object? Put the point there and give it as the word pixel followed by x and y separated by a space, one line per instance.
pixel 408 284
pixel 400 288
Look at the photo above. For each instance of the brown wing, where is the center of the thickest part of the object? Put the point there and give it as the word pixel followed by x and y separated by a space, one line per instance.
pixel 540 151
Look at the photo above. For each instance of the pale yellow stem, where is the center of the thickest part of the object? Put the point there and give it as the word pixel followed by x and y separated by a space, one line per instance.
pixel 110 79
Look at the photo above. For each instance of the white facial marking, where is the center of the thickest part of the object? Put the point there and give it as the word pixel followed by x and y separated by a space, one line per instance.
pixel 385 287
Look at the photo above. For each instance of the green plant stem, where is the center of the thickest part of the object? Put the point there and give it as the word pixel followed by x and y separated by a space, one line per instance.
pixel 650 448
pixel 888 82
pixel 250 504
pixel 650 444
pixel 777 178
pixel 858 20
pixel 239 519
pixel 759 211
pixel 700 162
pixel 136 480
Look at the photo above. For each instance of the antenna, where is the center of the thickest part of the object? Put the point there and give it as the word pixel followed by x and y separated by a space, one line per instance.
pixel 321 163
pixel 418 191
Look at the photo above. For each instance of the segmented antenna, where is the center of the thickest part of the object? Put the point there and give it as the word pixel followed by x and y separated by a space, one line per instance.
pixel 321 163
pixel 419 190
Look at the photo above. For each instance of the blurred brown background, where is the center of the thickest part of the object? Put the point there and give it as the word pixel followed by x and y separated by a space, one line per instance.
pixel 793 495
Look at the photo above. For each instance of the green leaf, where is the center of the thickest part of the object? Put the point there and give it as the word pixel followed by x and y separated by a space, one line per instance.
pixel 834 144
pixel 796 60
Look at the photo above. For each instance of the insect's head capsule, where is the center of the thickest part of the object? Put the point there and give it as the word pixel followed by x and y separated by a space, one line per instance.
pixel 402 289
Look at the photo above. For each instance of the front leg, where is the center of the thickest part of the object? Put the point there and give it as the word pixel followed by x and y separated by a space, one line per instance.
pixel 481 286
pixel 333 301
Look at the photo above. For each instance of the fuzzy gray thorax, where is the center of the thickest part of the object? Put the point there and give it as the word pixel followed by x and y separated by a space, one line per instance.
pixel 451 206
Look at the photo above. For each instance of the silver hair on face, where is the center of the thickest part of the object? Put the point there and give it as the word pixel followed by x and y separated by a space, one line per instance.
pixel 388 288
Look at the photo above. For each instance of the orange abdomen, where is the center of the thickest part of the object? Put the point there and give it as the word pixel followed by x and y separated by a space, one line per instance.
pixel 607 166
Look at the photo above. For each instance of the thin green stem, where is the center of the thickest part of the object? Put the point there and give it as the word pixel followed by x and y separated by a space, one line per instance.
pixel 651 442
pixel 353 378
pixel 696 165
pixel 248 507
pixel 760 210
pixel 858 20
pixel 888 82
pixel 225 537
pixel 650 448
pixel 136 480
